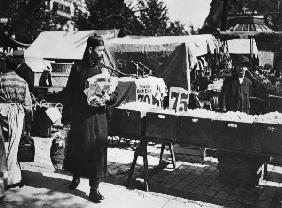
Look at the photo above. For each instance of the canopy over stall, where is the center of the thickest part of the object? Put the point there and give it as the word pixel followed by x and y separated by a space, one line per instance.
pixel 169 57
pixel 60 45
pixel 63 45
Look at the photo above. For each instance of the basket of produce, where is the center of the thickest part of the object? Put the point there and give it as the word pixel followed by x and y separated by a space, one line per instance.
pixel 268 133
pixel 233 131
pixel 195 127
pixel 161 124
pixel 127 120
pixel 61 67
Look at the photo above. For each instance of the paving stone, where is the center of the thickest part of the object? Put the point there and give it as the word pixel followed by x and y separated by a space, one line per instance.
pixel 210 192
pixel 262 204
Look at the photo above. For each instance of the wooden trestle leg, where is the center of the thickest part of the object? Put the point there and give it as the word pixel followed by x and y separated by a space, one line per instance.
pixel 140 151
pixel 170 145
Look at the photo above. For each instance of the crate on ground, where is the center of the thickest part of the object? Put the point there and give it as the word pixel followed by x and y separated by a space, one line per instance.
pixel 234 136
pixel 194 131
pixel 42 122
pixel 240 170
pixel 188 153
pixel 161 125
pixel 126 123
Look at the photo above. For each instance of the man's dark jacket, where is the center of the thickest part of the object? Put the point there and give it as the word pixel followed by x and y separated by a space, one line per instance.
pixel 25 72
pixel 236 96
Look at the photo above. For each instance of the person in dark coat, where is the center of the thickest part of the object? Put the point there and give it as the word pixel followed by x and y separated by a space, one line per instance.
pixel 23 70
pixel 87 142
pixel 45 78
pixel 236 91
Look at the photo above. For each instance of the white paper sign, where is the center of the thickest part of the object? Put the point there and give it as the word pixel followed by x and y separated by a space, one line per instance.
pixel 54 114
pixel 178 99
pixel 144 93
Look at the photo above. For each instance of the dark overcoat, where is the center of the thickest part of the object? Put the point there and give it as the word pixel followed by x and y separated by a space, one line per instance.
pixel 25 72
pixel 235 96
pixel 87 141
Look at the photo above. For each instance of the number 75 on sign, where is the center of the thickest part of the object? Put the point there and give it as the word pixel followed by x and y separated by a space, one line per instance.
pixel 178 99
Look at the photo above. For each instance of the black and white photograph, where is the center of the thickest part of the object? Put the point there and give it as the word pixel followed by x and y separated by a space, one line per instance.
pixel 140 103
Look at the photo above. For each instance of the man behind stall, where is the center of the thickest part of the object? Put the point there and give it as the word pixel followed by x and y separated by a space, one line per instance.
pixel 236 90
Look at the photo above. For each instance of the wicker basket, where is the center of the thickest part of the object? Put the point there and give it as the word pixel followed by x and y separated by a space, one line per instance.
pixel 61 67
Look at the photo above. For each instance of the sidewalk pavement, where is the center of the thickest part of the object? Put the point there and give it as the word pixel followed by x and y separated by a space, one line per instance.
pixel 191 185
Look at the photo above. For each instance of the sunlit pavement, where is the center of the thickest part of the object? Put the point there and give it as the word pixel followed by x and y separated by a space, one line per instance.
pixel 189 185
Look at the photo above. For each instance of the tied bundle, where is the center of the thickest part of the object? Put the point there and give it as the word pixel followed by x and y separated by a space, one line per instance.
pixel 99 89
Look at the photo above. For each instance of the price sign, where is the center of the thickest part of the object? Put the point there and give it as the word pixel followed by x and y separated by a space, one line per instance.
pixel 178 99
pixel 144 93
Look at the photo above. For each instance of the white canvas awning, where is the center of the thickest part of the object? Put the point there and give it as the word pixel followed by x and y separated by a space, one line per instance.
pixel 63 45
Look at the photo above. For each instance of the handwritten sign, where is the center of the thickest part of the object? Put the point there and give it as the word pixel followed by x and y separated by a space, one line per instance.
pixel 178 99
pixel 144 93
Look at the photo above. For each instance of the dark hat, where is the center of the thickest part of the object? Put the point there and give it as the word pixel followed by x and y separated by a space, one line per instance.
pixel 18 53
pixel 95 40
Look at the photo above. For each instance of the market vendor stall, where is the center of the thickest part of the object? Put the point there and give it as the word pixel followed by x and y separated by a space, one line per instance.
pixel 251 138
pixel 168 57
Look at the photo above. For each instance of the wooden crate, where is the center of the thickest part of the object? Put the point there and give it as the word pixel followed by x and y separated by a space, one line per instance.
pixel 161 126
pixel 126 123
pixel 269 136
pixel 240 171
pixel 196 131
pixel 233 136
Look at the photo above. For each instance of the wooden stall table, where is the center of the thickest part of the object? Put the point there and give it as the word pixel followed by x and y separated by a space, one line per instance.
pixel 130 123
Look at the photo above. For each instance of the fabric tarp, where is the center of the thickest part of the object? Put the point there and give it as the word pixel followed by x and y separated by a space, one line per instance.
pixel 63 45
pixel 169 57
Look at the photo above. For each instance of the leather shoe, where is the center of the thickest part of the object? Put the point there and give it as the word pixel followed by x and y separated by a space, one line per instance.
pixel 74 183
pixel 95 195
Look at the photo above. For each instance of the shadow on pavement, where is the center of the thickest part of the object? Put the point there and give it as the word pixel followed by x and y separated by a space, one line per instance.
pixel 200 182
pixel 49 192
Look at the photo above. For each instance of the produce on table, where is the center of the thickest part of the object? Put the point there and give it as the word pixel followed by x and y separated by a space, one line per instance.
pixel 269 118
pixel 201 113
pixel 236 117
pixel 164 111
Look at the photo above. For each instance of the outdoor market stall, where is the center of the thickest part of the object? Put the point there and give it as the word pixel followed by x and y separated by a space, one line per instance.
pixel 170 58
pixel 233 132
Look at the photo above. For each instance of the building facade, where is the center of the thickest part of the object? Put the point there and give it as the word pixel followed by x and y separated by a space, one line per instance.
pixel 67 8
